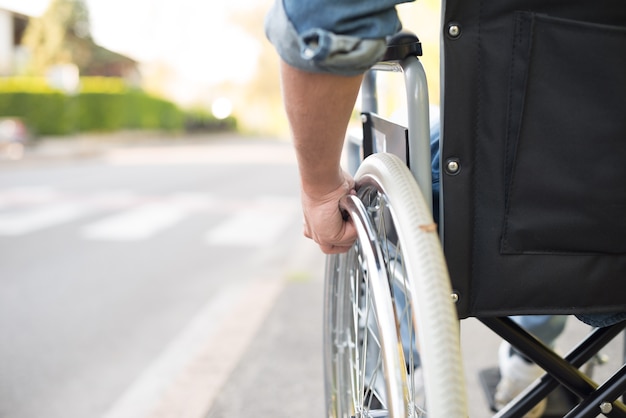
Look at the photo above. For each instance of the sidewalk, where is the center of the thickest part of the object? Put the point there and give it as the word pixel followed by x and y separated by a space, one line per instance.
pixel 96 144
pixel 281 373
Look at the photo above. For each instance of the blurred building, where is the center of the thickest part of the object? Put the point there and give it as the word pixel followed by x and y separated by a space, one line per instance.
pixel 14 56
pixel 107 63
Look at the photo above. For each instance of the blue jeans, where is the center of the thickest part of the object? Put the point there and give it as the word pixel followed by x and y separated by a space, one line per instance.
pixel 336 36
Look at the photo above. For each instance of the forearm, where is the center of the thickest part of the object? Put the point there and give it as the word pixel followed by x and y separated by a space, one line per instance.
pixel 318 108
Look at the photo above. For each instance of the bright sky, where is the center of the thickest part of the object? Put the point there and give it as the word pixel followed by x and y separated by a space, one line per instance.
pixel 191 35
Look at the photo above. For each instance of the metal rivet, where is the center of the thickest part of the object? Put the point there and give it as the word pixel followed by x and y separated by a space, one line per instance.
pixel 453 166
pixel 454 30
pixel 455 297
pixel 606 407
pixel 364 118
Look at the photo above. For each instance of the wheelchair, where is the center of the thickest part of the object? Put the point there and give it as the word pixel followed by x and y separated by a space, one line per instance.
pixel 524 224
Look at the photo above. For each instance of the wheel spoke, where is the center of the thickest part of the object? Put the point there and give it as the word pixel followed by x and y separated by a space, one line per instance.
pixel 377 363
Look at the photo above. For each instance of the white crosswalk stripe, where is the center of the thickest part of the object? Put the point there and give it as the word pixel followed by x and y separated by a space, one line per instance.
pixel 248 228
pixel 135 224
pixel 258 225
pixel 25 221
pixel 26 195
pixel 147 219
pixel 126 216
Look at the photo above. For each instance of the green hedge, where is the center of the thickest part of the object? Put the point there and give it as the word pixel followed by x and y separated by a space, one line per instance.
pixel 129 110
pixel 101 105
pixel 202 121
pixel 44 113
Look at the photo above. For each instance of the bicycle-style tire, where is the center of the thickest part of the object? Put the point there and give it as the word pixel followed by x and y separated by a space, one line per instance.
pixel 397 264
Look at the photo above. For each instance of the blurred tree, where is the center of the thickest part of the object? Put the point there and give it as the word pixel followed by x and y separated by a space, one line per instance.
pixel 62 35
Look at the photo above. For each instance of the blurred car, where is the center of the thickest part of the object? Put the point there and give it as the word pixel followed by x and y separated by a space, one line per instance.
pixel 13 138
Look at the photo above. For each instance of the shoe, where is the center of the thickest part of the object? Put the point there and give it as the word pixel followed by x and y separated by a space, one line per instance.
pixel 516 374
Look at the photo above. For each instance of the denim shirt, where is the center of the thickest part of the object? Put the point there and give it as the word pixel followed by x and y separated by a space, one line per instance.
pixel 343 37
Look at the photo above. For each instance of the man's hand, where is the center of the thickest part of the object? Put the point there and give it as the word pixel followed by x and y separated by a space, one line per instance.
pixel 319 107
pixel 323 221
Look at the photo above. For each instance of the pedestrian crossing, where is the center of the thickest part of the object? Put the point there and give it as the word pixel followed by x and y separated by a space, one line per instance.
pixel 253 226
pixel 128 216
pixel 33 219
pixel 135 224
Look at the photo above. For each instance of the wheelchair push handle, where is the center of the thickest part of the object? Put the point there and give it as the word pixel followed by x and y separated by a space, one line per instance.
pixel 402 55
pixel 402 45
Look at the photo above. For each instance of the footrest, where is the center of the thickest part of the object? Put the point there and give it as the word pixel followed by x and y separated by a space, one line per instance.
pixel 560 401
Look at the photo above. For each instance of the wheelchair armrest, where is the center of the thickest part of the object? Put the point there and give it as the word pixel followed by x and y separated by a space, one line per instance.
pixel 402 45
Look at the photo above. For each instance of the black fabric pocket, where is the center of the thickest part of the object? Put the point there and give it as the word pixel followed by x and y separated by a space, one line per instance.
pixel 565 165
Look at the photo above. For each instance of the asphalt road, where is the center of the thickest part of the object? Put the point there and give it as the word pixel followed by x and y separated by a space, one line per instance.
pixel 166 279
pixel 123 264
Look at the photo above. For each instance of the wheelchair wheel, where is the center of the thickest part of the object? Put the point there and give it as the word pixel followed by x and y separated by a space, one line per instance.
pixel 391 334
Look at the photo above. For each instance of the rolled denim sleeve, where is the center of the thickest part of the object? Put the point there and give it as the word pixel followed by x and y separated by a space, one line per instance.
pixel 343 37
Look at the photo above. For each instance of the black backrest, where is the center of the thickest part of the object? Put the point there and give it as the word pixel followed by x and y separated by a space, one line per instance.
pixel 534 155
